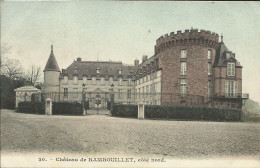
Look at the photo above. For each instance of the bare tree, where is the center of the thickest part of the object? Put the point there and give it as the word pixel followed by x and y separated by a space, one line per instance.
pixel 5 49
pixel 12 68
pixel 34 74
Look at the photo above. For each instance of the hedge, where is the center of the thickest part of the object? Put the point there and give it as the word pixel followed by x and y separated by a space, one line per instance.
pixel 31 107
pixel 58 108
pixel 179 112
pixel 67 108
pixel 193 113
pixel 125 111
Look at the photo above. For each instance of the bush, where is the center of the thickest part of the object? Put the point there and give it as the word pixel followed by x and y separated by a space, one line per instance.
pixel 193 113
pixel 58 108
pixel 31 107
pixel 67 108
pixel 125 111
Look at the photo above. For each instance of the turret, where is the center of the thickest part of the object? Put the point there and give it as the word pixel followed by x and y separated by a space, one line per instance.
pixel 51 74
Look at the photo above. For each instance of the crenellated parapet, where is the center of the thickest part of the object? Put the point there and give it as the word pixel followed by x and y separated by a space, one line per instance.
pixel 189 37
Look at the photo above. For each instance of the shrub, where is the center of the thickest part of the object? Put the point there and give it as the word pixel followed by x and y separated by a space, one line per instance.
pixel 193 113
pixel 125 111
pixel 58 108
pixel 31 107
pixel 67 108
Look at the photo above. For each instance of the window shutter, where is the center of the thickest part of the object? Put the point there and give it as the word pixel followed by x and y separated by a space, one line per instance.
pixel 226 88
pixel 233 69
pixel 235 88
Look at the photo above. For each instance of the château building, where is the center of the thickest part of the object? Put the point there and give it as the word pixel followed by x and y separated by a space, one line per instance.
pixel 187 68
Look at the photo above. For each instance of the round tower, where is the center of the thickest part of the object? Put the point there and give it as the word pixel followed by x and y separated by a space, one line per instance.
pixel 51 74
pixel 186 59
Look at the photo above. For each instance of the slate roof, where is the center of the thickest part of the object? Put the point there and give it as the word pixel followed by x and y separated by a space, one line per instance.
pixel 52 64
pixel 107 68
pixel 220 58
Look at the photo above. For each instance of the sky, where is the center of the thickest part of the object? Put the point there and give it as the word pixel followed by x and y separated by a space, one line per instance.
pixel 125 31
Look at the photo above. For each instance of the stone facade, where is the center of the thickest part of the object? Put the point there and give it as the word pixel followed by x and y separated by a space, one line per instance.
pixel 189 68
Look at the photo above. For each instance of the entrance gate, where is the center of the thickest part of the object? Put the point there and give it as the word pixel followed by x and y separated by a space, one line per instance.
pixel 98 102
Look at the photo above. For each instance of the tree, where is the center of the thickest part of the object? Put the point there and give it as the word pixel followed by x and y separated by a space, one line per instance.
pixel 12 68
pixel 33 75
pixel 5 49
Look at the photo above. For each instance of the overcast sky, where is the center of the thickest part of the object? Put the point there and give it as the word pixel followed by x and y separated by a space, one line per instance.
pixel 124 31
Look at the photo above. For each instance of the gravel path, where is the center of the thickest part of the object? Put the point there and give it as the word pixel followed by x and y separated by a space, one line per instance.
pixel 104 134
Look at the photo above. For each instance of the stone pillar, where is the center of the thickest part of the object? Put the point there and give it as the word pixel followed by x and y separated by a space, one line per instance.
pixel 112 100
pixel 48 106
pixel 83 102
pixel 141 110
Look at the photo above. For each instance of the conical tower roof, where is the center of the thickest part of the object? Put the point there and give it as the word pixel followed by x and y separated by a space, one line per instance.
pixel 52 64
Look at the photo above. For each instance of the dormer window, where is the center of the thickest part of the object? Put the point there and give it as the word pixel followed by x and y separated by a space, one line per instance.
pixel 98 71
pixel 231 69
pixel 227 55
pixel 76 70
pixel 75 80
pixel 111 80
pixel 84 79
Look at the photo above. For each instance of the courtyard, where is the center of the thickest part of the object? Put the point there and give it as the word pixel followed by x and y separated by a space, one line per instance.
pixel 99 134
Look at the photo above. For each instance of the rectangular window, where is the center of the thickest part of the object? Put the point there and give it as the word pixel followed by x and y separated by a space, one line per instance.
pixel 143 91
pixel 120 96
pixel 65 79
pixel 230 89
pixel 111 80
pixel 75 93
pixel 183 54
pixel 65 93
pixel 143 80
pixel 129 94
pixel 94 80
pixel 102 81
pixel 129 81
pixel 183 87
pixel 209 90
pixel 209 68
pixel 146 78
pixel 85 80
pixel 147 90
pixel 139 93
pixel 209 54
pixel 231 69
pixel 183 68
pixel 120 81
pixel 75 80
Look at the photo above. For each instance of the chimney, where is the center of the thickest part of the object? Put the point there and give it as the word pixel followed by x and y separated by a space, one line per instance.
pixel 136 62
pixel 144 58
pixel 78 59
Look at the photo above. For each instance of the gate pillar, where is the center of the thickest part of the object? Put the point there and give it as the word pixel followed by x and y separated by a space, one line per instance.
pixel 140 110
pixel 48 106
